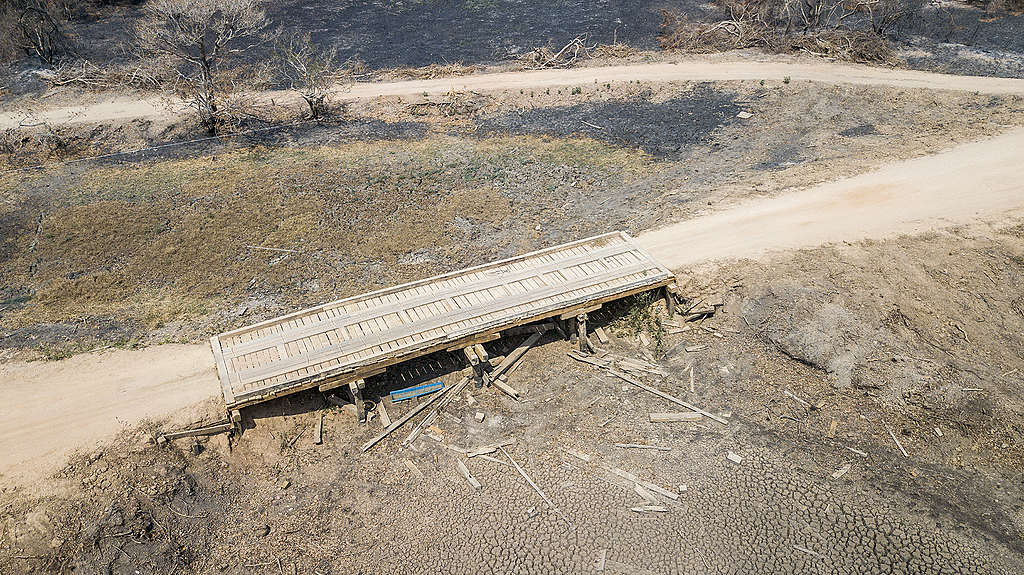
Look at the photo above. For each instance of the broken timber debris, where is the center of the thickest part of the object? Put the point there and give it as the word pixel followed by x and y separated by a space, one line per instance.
pixel 735 458
pixel 214 429
pixel 675 417
pixel 412 413
pixel 602 337
pixel 646 484
pixel 465 473
pixel 415 470
pixel 318 431
pixel 664 395
pixel 534 486
pixel 841 471
pixel 649 509
pixel 897 441
pixel 642 446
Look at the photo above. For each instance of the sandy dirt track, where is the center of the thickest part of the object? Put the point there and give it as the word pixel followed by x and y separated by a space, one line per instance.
pixel 978 181
pixel 131 108
pixel 50 409
pixel 53 408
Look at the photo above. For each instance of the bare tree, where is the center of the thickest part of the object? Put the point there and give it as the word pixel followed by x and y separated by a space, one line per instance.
pixel 308 70
pixel 199 33
pixel 35 28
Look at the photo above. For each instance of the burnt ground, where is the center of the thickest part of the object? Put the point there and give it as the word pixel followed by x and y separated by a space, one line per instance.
pixel 950 36
pixel 916 333
pixel 143 249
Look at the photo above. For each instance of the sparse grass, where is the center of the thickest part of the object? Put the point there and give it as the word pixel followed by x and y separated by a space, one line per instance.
pixel 636 315
pixel 165 241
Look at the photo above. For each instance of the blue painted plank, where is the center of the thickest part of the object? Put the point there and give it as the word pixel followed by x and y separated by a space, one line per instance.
pixel 411 392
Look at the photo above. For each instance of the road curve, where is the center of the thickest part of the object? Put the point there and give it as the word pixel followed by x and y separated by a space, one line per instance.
pixel 982 180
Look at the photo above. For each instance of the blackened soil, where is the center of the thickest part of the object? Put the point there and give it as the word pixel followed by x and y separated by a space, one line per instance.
pixel 662 129
pixel 419 33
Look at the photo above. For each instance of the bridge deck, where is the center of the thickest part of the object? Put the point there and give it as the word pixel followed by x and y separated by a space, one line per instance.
pixel 354 337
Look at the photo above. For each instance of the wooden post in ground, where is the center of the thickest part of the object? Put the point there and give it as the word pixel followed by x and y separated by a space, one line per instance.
pixel 581 326
pixel 474 362
pixel 356 388
pixel 670 299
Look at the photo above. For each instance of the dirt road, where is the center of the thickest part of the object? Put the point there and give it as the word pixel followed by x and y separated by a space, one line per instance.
pixel 978 181
pixel 131 108
pixel 52 408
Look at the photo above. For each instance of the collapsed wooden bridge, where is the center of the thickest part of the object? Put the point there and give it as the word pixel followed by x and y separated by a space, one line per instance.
pixel 346 341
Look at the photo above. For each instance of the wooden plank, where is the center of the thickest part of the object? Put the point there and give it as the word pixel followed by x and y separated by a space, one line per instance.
pixel 430 299
pixel 201 431
pixel 309 358
pixel 675 417
pixel 664 395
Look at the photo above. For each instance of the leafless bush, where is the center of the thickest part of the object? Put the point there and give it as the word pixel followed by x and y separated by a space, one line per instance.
pixel 199 34
pixel 36 29
pixel 309 70
pixel 854 30
pixel 545 57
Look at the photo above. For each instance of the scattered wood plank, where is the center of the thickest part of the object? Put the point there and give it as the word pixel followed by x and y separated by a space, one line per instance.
pixel 495 460
pixel 794 397
pixel 485 449
pixel 602 558
pixel 505 388
pixel 433 413
pixel 857 451
pixel 735 458
pixel 602 337
pixel 695 348
pixel 646 484
pixel 385 419
pixel 577 454
pixel 664 395
pixel 515 355
pixel 644 340
pixel 649 509
pixel 222 427
pixel 691 379
pixel 841 471
pixel 642 446
pixel 534 486
pixel 415 470
pixel 412 413
pixel 645 494
pixel 602 363
pixel 896 441
pixel 674 417
pixel 465 473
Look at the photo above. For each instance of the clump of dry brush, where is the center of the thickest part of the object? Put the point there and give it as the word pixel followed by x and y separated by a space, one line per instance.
pixel 855 30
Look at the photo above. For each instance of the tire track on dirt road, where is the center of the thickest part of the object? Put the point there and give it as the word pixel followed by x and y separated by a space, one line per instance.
pixel 129 108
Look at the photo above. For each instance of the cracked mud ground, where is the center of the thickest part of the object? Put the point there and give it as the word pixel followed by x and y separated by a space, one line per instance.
pixel 899 349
